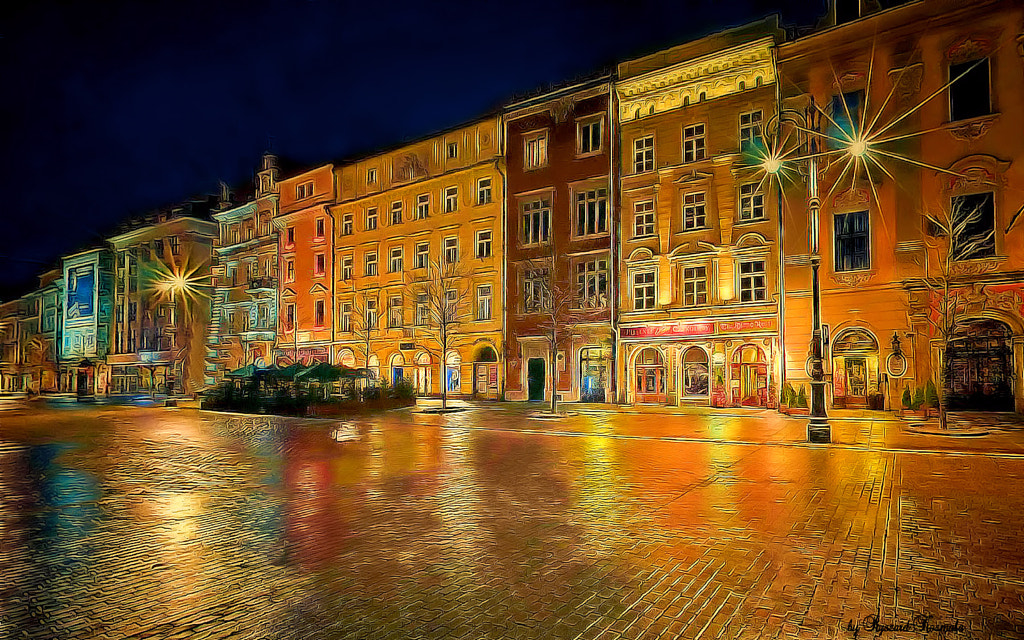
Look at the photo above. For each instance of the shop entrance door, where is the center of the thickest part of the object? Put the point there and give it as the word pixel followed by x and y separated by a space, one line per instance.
pixel 535 370
pixel 856 382
pixel 979 366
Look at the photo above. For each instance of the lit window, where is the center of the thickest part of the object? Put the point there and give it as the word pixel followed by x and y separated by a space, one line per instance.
pixel 751 202
pixel 643 290
pixel 483 191
pixel 536 219
pixel 483 243
pixel 588 136
pixel 643 154
pixel 370 263
pixel 695 286
pixel 694 213
pixel 643 219
pixel 752 281
pixel 535 150
pixel 451 199
pixel 592 212
pixel 693 143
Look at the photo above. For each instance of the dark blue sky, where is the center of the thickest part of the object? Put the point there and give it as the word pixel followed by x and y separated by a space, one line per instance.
pixel 112 109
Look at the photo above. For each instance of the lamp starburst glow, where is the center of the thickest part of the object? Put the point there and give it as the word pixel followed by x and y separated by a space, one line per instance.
pixel 177 283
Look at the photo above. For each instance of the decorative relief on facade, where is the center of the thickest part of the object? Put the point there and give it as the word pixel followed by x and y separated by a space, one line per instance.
pixel 409 167
pixel 851 198
pixel 976 267
pixel 974 129
pixel 977 172
pixel 971 47
pixel 562 109
pixel 714 76
pixel 849 81
pixel 907 82
pixel 854 279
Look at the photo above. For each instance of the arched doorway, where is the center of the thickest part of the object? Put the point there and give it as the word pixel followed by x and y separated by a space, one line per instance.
pixel 750 370
pixel 453 375
pixel 593 374
pixel 485 374
pixel 854 368
pixel 423 373
pixel 397 368
pixel 979 367
pixel 346 358
pixel 650 377
pixel 695 373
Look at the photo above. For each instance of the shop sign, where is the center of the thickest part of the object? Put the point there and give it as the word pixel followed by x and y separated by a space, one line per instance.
pixel 736 326
pixel 407 346
pixel 668 329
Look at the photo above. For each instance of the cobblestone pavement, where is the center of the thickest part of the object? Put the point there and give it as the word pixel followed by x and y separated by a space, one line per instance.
pixel 163 523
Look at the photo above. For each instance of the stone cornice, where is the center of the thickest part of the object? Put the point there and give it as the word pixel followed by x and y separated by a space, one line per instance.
pixel 719 74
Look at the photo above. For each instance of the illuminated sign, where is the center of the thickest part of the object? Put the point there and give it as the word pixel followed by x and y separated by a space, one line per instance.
pixel 81 284
pixel 734 326
pixel 668 329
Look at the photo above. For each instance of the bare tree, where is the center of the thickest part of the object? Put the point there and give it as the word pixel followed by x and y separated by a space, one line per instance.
pixel 952 238
pixel 562 307
pixel 365 323
pixel 447 296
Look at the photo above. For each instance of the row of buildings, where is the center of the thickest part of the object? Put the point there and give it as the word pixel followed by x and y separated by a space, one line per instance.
pixel 644 236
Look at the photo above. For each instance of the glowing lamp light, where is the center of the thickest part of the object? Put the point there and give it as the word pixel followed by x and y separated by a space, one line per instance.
pixel 771 165
pixel 858 148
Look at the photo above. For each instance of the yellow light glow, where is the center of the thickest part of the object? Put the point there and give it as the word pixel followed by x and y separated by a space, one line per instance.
pixel 771 165
pixel 858 147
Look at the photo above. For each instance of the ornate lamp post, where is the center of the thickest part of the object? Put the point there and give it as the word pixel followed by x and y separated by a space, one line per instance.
pixel 818 429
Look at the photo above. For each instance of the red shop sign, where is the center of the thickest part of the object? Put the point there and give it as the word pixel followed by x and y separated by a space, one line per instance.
pixel 668 329
pixel 761 324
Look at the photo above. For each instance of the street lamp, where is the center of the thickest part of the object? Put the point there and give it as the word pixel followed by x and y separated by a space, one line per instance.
pixel 818 429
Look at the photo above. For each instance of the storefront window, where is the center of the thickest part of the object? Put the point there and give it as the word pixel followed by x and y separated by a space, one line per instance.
pixel 695 372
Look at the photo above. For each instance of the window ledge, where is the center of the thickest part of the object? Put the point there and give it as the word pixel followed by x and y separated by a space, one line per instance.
pixel 590 154
pixel 971 129
pixel 692 230
pixel 752 221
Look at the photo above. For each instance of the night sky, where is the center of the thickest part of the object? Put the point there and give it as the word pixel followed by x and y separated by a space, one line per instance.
pixel 115 108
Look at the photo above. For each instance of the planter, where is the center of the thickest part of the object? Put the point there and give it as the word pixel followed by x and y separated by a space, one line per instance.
pixel 911 414
pixel 799 411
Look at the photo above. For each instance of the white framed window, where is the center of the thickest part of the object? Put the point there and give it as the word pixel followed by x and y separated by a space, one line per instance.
pixel 453 150
pixel 588 135
pixel 483 243
pixel 753 286
pixel 395 260
pixel 643 290
pixel 422 255
pixel 750 131
pixel 451 249
pixel 451 199
pixel 346 225
pixel 751 202
pixel 371 176
pixel 694 143
pixel 321 228
pixel 643 218
pixel 346 317
pixel 536 222
pixel 395 315
pixel 422 309
pixel 535 149
pixel 346 267
pixel 694 211
pixel 483 191
pixel 483 302
pixel 370 263
pixel 536 296
pixel 304 190
pixel 422 206
pixel 370 319
pixel 592 283
pixel 695 286
pixel 371 218
pixel 396 212
pixel 592 212
pixel 643 154
pixel 319 264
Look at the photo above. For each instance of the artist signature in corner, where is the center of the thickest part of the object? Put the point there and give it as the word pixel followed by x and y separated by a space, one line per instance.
pixel 923 624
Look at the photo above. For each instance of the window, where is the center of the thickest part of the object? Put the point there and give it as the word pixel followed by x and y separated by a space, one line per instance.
pixel 588 137
pixel 535 290
pixel 422 254
pixel 751 202
pixel 969 95
pixel 422 206
pixel 395 311
pixel 752 281
pixel 451 250
pixel 289 317
pixel 304 190
pixel 289 269
pixel 483 302
pixel 318 313
pixel 536 222
pixel 750 131
pixel 370 320
pixel 371 218
pixel 695 286
pixel 346 267
pixel 643 218
pixel 483 243
pixel 370 263
pixel 395 260
pixel 643 290
pixel 694 213
pixel 592 212
pixel 453 150
pixel 396 212
pixel 320 227
pixel 175 245
pixel 346 317
pixel 236 233
pixel 371 176
pixel 290 236
pixel 693 143
pixel 346 224
pixel 592 283
pixel 852 241
pixel 845 117
pixel 451 199
pixel 974 219
pixel 535 150
pixel 422 309
pixel 483 191
pixel 643 154
pixel 319 264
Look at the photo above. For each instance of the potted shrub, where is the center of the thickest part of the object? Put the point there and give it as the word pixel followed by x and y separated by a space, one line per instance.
pixel 787 399
pixel 915 408
pixel 931 399
pixel 799 403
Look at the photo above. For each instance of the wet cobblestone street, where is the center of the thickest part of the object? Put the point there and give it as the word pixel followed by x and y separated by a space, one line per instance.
pixel 177 523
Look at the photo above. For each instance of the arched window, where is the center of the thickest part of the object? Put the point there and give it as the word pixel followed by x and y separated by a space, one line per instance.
pixel 695 372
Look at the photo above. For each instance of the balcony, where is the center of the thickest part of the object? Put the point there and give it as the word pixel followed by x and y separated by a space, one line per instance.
pixel 263 284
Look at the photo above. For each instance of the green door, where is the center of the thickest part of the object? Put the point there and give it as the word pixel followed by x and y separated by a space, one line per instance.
pixel 535 378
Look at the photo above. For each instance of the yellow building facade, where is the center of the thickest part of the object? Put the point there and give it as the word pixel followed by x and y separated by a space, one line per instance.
pixel 438 201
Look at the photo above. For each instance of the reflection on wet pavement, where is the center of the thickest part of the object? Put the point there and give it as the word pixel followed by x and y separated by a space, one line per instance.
pixel 160 523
